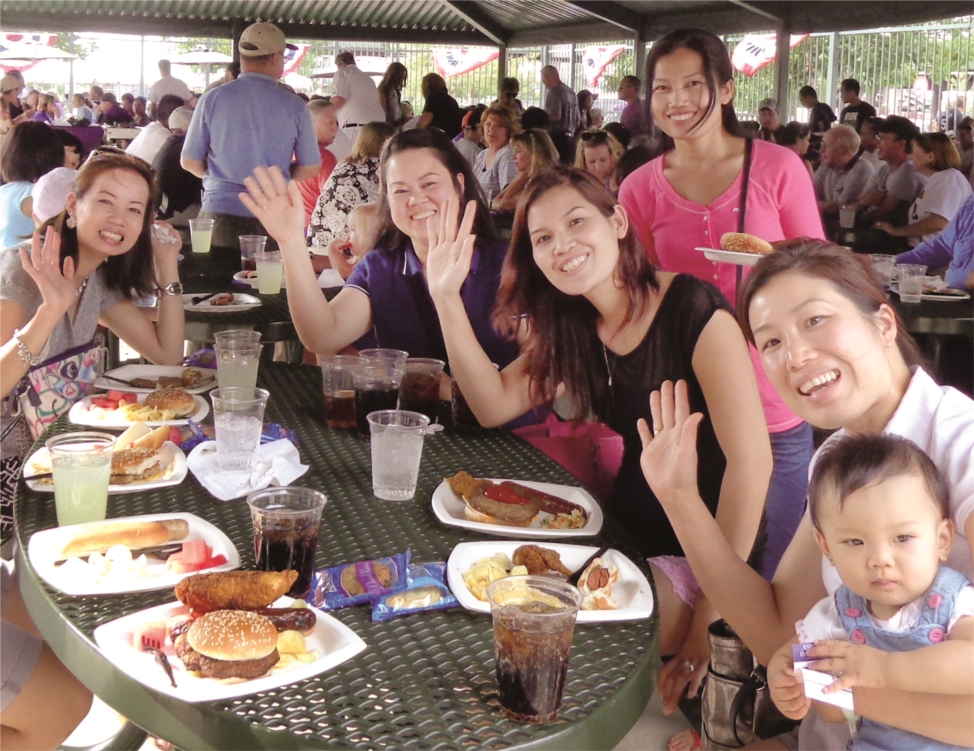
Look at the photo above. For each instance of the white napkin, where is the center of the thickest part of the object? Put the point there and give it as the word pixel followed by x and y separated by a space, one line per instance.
pixel 330 278
pixel 278 463
pixel 934 282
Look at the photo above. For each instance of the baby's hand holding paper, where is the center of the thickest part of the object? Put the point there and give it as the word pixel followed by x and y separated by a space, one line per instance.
pixel 817 681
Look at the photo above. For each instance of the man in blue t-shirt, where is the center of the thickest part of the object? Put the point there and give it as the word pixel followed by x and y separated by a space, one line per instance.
pixel 248 123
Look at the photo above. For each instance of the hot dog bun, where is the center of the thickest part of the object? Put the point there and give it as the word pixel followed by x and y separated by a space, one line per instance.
pixel 98 537
pixel 477 516
pixel 741 242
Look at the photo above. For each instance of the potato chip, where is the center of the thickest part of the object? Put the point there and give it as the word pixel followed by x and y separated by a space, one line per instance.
pixel 291 642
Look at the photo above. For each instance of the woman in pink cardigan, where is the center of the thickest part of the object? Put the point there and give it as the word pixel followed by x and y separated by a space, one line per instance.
pixel 688 198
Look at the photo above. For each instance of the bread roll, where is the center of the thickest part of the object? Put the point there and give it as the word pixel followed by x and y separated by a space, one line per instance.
pixel 134 432
pixel 98 537
pixel 153 439
pixel 741 242
pixel 477 516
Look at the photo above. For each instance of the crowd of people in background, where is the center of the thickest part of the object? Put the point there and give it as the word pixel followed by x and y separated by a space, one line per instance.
pixel 449 223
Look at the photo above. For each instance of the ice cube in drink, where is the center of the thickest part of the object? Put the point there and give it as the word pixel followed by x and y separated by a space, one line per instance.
pixel 238 367
pixel 237 439
pixel 396 456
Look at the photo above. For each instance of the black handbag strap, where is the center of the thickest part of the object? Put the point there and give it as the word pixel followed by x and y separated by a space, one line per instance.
pixel 746 695
pixel 745 179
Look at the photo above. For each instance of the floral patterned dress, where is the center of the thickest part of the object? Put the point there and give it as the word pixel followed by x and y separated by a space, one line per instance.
pixel 351 184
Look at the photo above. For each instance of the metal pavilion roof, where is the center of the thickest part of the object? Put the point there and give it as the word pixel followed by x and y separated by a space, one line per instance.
pixel 511 22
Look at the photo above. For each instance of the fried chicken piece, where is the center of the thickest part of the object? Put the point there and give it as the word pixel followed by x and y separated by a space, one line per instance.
pixel 539 560
pixel 234 590
pixel 464 484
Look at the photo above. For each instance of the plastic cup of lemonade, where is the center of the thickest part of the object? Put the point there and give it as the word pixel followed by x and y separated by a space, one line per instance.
pixel 81 464
pixel 201 233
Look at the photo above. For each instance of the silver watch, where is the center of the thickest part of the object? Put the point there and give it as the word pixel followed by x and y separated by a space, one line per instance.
pixel 176 288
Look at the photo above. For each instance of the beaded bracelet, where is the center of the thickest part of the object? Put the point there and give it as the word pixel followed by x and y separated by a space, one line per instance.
pixel 25 353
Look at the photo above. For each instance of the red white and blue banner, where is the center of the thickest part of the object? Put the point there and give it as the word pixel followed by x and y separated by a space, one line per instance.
pixel 13 41
pixel 596 59
pixel 455 62
pixel 755 51
pixel 293 58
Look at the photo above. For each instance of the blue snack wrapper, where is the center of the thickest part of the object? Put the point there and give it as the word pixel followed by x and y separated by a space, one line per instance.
pixel 272 432
pixel 201 358
pixel 354 583
pixel 427 590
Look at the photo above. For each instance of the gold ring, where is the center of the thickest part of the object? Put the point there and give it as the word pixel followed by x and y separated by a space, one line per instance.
pixel 657 431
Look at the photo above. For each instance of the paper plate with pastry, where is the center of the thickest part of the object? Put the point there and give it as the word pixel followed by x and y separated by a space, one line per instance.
pixel 516 509
pixel 738 248
pixel 220 302
pixel 612 586
pixel 224 653
pixel 117 409
pixel 143 459
pixel 143 379
pixel 130 554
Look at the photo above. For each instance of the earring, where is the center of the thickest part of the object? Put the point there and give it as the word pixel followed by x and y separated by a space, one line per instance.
pixel 71 221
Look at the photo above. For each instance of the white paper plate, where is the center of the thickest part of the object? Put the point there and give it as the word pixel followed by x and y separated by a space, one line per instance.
pixel 895 287
pixel 448 507
pixel 241 301
pixel 82 413
pixel 250 279
pixel 130 372
pixel 730 256
pixel 45 547
pixel 169 452
pixel 333 640
pixel 632 592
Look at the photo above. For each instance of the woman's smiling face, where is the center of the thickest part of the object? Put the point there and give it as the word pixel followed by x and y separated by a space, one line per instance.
pixel 418 184
pixel 829 362
pixel 573 243
pixel 111 214
pixel 680 95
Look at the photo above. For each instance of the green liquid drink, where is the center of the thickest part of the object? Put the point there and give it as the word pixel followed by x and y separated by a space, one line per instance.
pixel 81 464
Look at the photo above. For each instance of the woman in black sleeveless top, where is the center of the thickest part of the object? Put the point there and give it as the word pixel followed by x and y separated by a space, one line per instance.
pixel 601 324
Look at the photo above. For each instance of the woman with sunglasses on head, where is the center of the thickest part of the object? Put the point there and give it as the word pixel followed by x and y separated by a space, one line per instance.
pixel 510 88
pixel 422 177
pixel 84 268
pixel 533 152
pixel 604 326
pixel 598 153
pixel 838 355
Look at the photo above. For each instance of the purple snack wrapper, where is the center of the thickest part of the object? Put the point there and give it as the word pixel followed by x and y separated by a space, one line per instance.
pixel 799 654
pixel 354 583
pixel 272 432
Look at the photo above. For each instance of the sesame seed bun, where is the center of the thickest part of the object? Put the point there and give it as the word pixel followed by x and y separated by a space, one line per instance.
pixel 740 242
pixel 179 402
pixel 233 635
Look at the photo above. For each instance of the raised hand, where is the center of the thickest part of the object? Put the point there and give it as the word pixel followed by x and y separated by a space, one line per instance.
pixel 669 458
pixel 166 241
pixel 450 249
pixel 59 288
pixel 276 203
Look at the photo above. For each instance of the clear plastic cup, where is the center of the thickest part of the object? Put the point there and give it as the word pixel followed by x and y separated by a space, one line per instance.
pixel 376 388
pixel 237 364
pixel 270 271
pixel 286 523
pixel 911 281
pixel 847 216
pixel 883 267
pixel 395 357
pixel 236 337
pixel 250 246
pixel 419 390
pixel 81 464
pixel 201 233
pixel 338 387
pixel 238 414
pixel 534 621
pixel 397 447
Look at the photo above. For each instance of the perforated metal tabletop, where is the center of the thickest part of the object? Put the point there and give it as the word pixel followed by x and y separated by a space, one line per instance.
pixel 425 681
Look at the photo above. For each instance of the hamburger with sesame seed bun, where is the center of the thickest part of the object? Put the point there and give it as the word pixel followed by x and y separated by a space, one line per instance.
pixel 229 644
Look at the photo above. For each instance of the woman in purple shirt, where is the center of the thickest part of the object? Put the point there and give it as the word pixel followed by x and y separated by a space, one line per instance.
pixel 420 172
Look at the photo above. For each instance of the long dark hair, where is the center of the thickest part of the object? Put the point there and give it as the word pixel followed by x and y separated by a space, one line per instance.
pixel 717 70
pixel 442 147
pixel 851 275
pixel 562 337
pixel 32 151
pixel 131 273
pixel 394 79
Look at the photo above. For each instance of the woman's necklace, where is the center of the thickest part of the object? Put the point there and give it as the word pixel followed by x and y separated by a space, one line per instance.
pixel 608 368
pixel 81 289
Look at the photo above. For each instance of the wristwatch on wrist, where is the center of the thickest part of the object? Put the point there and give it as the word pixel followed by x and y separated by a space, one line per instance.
pixel 176 288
